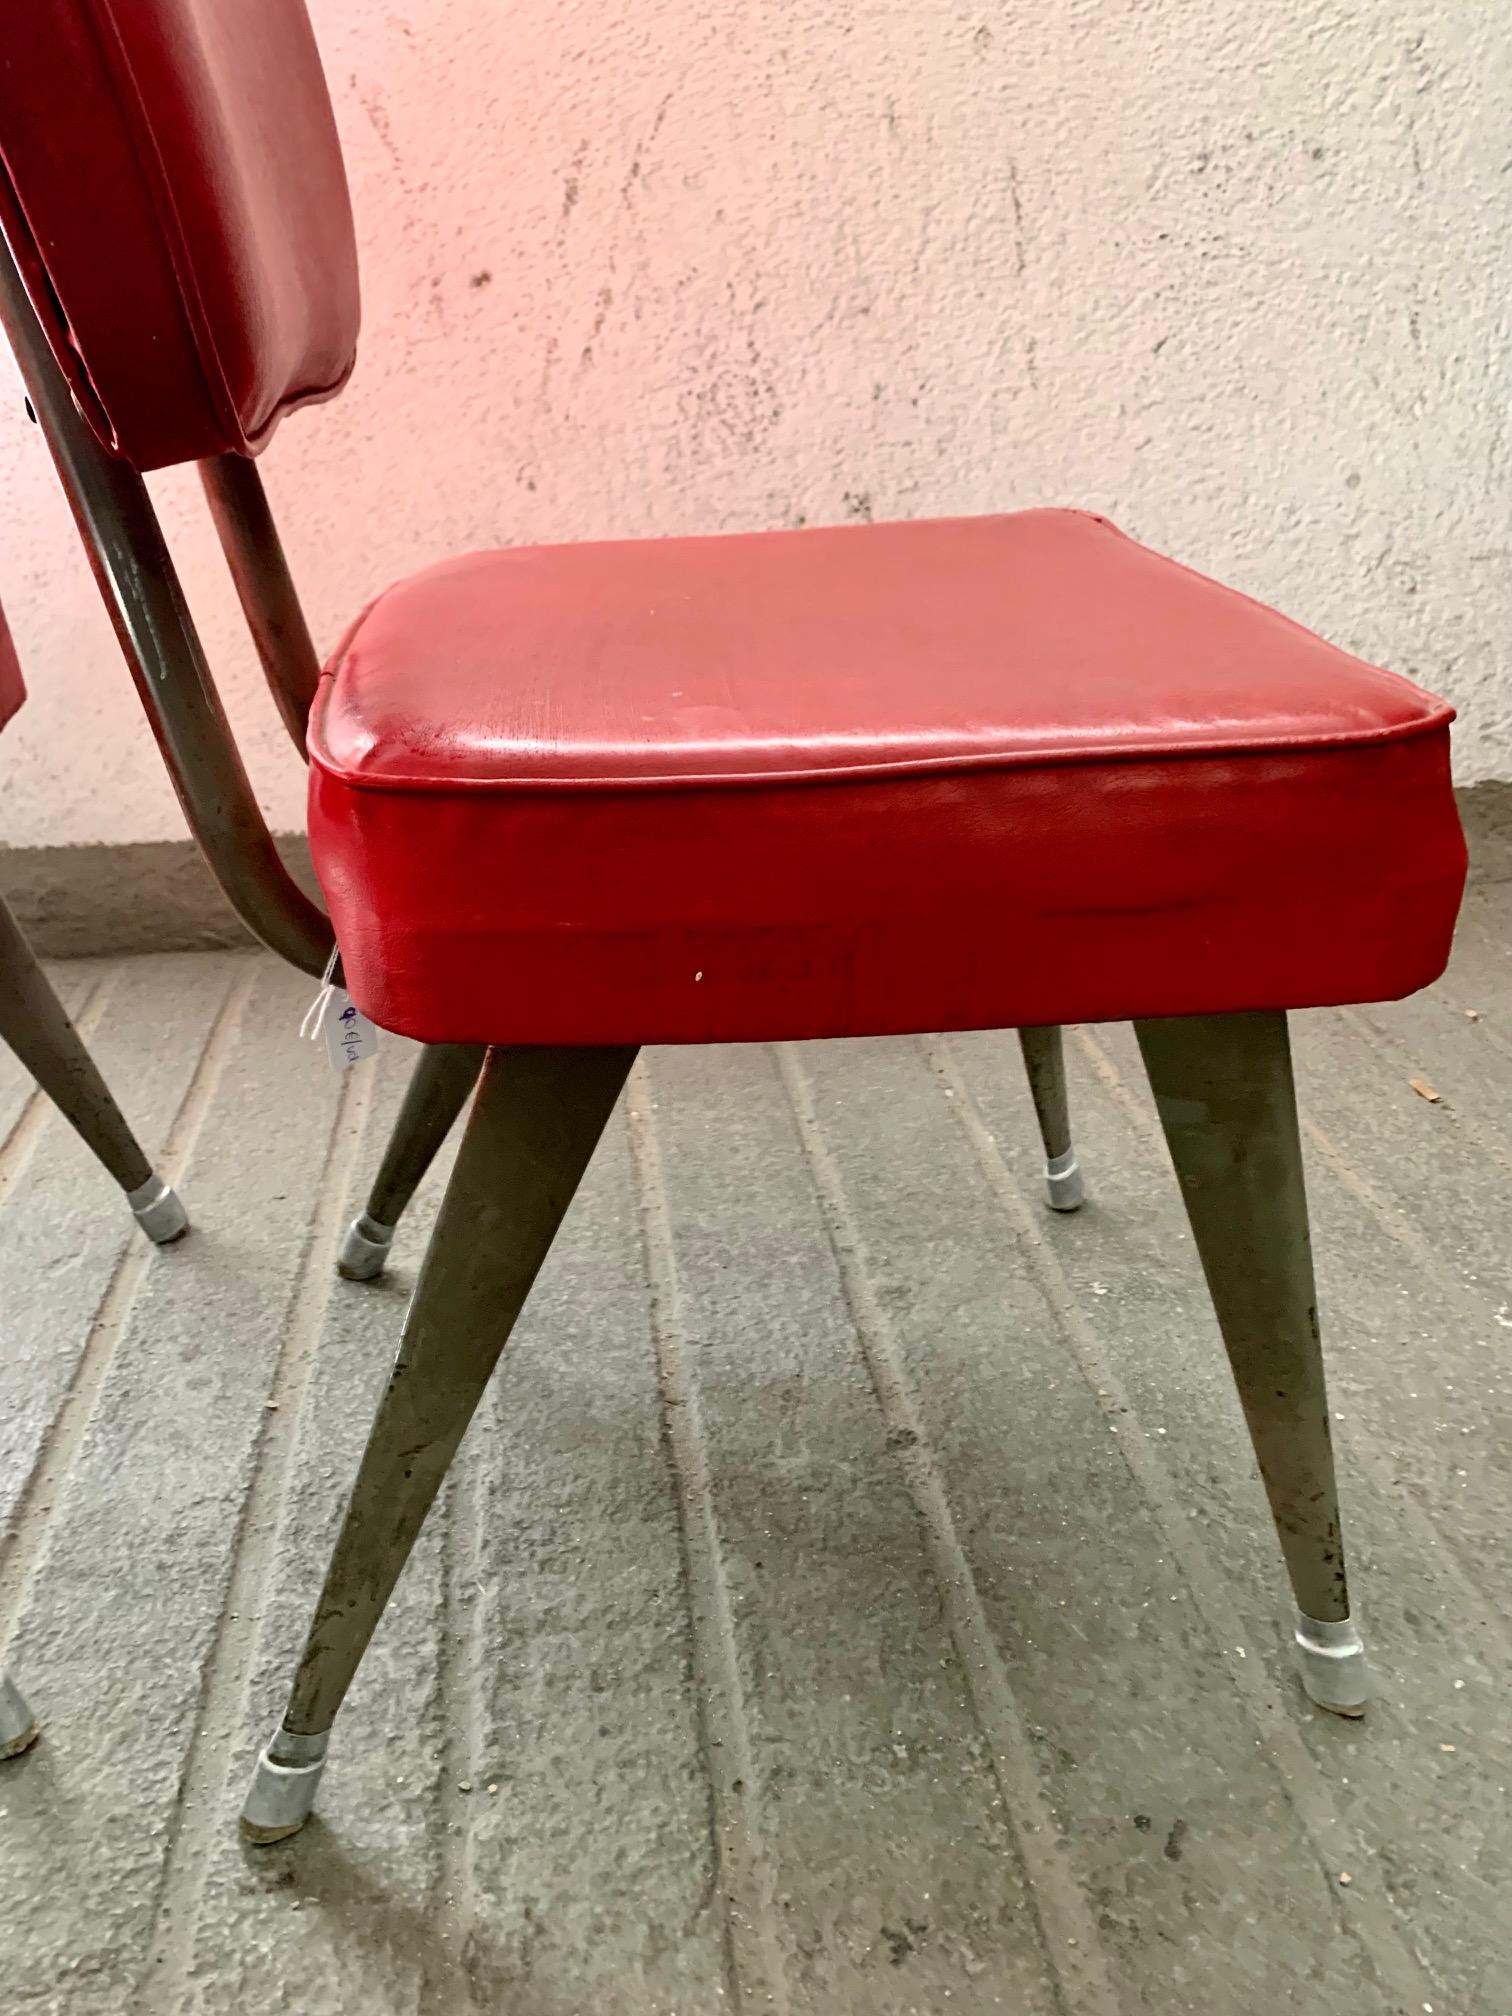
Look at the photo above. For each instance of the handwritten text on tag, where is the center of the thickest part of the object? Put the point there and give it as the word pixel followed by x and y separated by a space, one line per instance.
pixel 349 1035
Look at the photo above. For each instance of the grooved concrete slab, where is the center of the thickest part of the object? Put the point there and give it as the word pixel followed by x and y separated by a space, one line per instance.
pixel 855 1594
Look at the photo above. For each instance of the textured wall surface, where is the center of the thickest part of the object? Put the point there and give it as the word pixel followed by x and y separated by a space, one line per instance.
pixel 1235 275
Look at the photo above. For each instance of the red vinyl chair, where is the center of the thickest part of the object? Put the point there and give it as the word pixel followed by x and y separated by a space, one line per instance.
pixel 36 1026
pixel 997 772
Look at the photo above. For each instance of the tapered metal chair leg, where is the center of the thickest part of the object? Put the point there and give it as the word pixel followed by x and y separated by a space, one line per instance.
pixel 35 1024
pixel 438 1090
pixel 531 1134
pixel 1045 1062
pixel 18 1725
pixel 1223 1086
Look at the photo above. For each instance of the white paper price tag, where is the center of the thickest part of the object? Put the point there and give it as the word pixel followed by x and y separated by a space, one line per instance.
pixel 349 1035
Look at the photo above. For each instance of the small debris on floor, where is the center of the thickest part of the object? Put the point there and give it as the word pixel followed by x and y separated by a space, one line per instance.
pixel 1424 1090
pixel 1345 1878
pixel 464 1784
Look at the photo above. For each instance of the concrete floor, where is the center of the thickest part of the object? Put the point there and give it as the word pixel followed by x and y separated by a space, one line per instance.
pixel 855 1596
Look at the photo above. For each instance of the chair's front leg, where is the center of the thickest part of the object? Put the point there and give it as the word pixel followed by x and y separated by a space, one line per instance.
pixel 531 1134
pixel 34 1022
pixel 1223 1086
pixel 444 1075
pixel 1045 1062
pixel 18 1725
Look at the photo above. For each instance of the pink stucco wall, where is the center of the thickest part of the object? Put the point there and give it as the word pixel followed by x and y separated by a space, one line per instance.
pixel 1235 275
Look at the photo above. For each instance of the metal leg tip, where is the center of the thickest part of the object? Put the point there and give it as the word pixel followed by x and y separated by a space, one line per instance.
pixel 1331 1659
pixel 282 1792
pixel 157 1209
pixel 364 1250
pixel 18 1726
pixel 1064 1189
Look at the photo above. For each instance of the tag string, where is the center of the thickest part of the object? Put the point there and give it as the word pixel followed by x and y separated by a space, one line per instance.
pixel 315 1014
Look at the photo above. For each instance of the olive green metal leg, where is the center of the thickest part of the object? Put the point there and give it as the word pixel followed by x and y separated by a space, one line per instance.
pixel 1223 1086
pixel 532 1132
pixel 438 1089
pixel 1045 1062
pixel 35 1024
pixel 18 1726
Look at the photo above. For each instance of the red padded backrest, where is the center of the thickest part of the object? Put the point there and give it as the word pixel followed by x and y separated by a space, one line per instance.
pixel 12 691
pixel 174 194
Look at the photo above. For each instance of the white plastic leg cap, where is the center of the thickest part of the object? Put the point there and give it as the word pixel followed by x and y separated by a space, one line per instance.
pixel 364 1250
pixel 18 1726
pixel 157 1209
pixel 282 1793
pixel 1331 1658
pixel 1064 1189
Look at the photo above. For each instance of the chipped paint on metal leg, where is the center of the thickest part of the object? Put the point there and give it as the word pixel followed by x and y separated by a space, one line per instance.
pixel 18 1725
pixel 283 1786
pixel 156 1208
pixel 1331 1658
pixel 1064 1189
pixel 365 1249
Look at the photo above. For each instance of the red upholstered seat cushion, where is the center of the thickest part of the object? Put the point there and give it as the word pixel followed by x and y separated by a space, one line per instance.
pixel 173 190
pixel 968 773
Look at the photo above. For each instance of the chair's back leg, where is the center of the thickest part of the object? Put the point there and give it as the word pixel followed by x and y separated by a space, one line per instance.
pixel 444 1075
pixel 18 1725
pixel 35 1024
pixel 531 1134
pixel 1223 1087
pixel 1045 1062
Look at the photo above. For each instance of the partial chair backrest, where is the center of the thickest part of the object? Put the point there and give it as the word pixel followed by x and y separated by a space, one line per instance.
pixel 12 686
pixel 174 196
pixel 181 271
